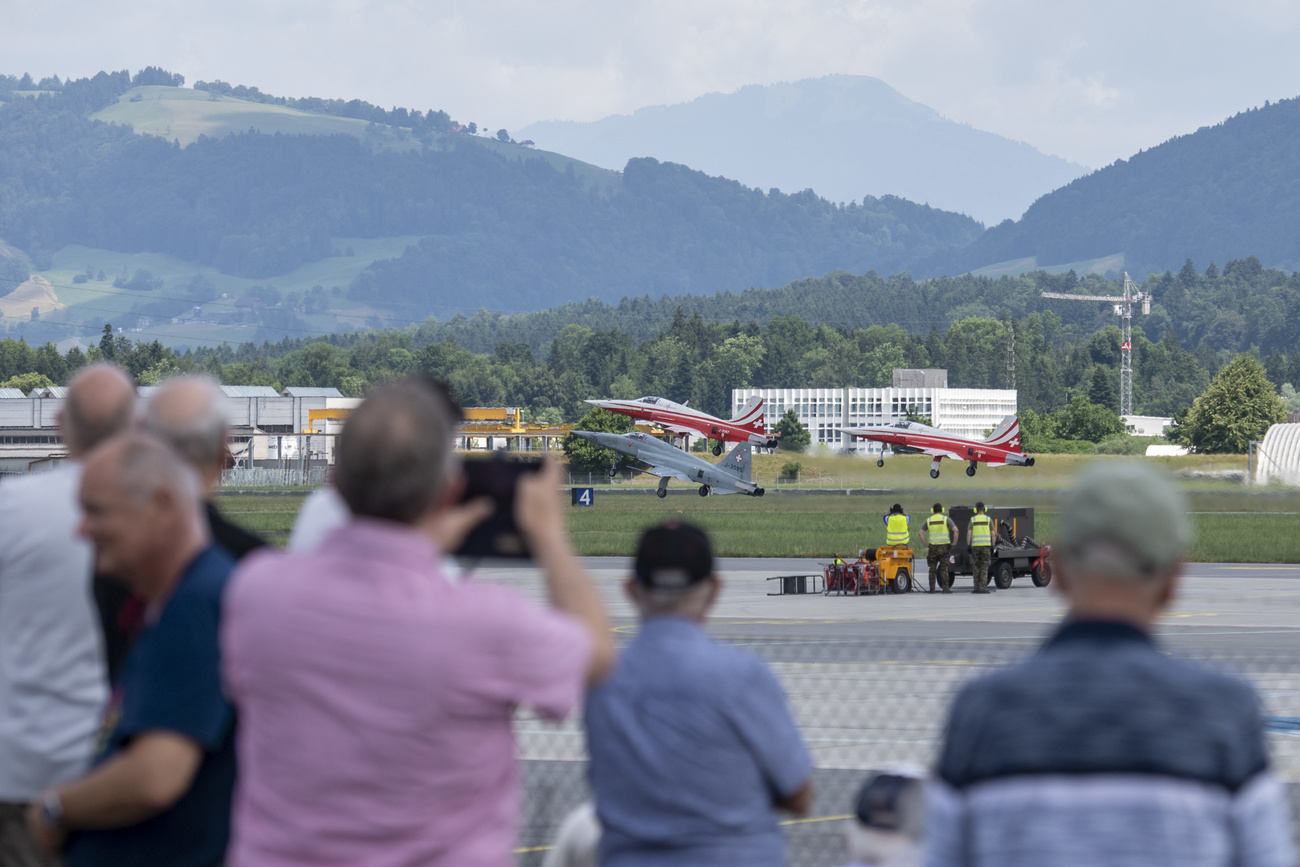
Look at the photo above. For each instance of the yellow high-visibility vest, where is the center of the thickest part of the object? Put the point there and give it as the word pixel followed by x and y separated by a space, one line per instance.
pixel 981 531
pixel 936 527
pixel 896 530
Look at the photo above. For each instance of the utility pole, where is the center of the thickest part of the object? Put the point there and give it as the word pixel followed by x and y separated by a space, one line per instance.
pixel 1123 305
pixel 1011 353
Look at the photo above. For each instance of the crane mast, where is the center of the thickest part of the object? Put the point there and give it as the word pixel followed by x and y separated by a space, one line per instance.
pixel 1123 305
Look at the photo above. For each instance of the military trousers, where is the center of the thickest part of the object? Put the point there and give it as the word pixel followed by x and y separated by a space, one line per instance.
pixel 937 560
pixel 979 564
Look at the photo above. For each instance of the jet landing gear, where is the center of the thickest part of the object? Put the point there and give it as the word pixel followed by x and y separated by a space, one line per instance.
pixel 970 471
pixel 880 462
pixel 613 471
pixel 662 490
pixel 717 448
pixel 705 490
pixel 934 468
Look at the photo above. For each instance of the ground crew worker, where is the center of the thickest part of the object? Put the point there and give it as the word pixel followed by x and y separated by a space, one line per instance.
pixel 896 531
pixel 981 548
pixel 938 533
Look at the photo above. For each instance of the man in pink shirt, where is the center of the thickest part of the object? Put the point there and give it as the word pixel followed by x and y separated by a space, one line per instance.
pixel 374 696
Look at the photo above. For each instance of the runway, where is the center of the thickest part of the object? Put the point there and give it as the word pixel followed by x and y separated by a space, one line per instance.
pixel 869 679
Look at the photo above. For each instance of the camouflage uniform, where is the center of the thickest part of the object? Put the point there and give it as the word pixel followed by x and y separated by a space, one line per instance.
pixel 979 564
pixel 937 559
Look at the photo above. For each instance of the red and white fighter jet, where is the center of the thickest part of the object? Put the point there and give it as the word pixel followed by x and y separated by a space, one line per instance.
pixel 1001 449
pixel 746 427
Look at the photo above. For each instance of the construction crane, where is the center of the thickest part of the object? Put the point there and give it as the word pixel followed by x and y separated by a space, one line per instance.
pixel 1124 310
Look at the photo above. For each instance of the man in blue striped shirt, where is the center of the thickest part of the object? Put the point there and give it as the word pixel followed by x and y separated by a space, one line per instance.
pixel 1102 749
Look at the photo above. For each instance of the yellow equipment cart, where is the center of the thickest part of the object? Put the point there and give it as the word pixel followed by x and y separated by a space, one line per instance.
pixel 895 563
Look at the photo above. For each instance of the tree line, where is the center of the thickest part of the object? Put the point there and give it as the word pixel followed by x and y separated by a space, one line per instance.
pixel 1068 387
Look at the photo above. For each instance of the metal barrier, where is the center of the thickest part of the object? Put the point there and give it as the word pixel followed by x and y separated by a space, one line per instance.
pixel 274 477
pixel 862 704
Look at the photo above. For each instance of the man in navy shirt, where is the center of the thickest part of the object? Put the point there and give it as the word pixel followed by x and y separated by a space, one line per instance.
pixel 159 792
pixel 692 746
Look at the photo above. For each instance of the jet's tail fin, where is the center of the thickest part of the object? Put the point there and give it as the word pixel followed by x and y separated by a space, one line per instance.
pixel 1007 434
pixel 739 462
pixel 751 415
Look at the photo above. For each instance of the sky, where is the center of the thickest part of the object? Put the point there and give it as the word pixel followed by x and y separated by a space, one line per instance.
pixel 1092 82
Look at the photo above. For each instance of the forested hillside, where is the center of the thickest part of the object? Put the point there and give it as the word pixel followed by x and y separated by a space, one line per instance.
pixel 1232 309
pixel 1223 192
pixel 1200 321
pixel 502 233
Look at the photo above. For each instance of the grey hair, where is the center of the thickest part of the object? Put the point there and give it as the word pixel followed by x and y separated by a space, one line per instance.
pixel 396 454
pixel 149 464
pixel 198 436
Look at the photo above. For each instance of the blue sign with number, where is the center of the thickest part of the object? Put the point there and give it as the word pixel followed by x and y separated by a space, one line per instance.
pixel 584 496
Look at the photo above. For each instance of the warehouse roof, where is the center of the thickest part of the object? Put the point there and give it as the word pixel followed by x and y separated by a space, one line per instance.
pixel 302 391
pixel 249 391
pixel 11 392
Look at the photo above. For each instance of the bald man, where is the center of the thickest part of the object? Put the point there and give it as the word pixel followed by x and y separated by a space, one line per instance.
pixel 159 791
pixel 188 413
pixel 52 682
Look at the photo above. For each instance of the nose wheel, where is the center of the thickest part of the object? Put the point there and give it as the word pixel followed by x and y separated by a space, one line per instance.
pixel 970 471
pixel 704 490
pixel 613 471
pixel 934 468
pixel 880 462
pixel 717 448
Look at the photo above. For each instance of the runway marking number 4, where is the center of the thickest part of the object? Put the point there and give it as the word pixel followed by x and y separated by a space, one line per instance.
pixel 583 496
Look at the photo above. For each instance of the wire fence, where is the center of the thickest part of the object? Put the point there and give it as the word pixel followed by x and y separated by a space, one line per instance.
pixel 866 704
pixel 274 477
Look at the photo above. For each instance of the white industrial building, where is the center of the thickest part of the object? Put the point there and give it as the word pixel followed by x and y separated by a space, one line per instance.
pixel 966 412
pixel 1277 458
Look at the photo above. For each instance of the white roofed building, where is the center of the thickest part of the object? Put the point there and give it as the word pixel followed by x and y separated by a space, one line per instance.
pixel 965 412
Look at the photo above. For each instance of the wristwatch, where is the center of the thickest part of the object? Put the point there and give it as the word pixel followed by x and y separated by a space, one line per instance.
pixel 51 810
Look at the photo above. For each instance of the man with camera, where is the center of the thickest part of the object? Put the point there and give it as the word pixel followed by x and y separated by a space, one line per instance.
pixel 375 695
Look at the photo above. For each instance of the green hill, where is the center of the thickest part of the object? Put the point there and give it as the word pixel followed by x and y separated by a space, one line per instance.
pixel 1223 192
pixel 252 186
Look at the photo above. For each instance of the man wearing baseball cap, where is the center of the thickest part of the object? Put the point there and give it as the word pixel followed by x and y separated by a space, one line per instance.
pixel 1102 748
pixel 693 748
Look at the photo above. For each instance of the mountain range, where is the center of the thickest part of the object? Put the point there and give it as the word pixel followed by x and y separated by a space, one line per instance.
pixel 844 136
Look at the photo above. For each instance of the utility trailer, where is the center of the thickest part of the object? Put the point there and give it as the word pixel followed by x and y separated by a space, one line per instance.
pixel 1015 551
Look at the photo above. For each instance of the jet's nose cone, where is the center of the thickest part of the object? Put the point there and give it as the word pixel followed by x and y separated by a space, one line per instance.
pixel 603 404
pixel 585 434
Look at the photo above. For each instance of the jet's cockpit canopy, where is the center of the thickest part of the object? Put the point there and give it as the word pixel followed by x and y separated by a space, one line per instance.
pixel 650 400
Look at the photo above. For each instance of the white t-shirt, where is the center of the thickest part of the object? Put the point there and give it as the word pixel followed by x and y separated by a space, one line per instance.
pixel 322 513
pixel 52 675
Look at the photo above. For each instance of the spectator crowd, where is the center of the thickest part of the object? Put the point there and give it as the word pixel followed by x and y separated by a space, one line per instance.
pixel 175 693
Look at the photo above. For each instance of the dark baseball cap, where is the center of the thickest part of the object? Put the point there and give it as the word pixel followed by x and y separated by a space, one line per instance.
pixel 892 801
pixel 673 556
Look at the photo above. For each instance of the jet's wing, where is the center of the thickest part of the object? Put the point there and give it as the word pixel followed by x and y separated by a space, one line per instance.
pixel 669 473
pixel 679 429
pixel 933 451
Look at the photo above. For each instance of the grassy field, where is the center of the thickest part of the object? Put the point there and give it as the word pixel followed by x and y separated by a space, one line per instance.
pixel 177 113
pixel 912 472
pixel 99 300
pixel 1233 523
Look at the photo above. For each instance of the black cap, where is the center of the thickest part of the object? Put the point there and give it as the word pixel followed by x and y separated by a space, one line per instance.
pixel 891 802
pixel 673 556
